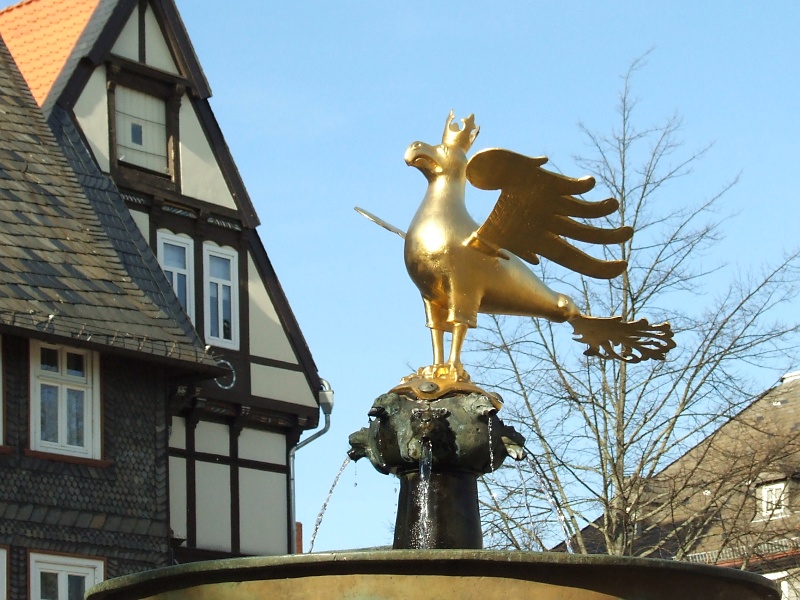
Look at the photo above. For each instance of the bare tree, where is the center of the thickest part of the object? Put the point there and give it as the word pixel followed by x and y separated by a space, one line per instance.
pixel 602 433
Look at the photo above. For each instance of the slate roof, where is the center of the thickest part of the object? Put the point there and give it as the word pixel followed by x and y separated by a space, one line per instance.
pixel 758 445
pixel 74 266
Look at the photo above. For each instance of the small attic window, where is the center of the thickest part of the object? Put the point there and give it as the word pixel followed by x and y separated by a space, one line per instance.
pixel 141 129
pixel 774 499
pixel 136 134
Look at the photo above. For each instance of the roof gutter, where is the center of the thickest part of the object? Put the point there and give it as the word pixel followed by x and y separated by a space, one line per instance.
pixel 326 404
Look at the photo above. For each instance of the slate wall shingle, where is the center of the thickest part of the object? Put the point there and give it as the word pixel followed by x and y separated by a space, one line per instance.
pixel 118 512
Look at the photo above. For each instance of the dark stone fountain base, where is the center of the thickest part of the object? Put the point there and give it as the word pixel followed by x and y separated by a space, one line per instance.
pixel 437 446
pixel 453 519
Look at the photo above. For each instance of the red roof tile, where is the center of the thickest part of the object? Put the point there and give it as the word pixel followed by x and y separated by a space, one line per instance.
pixel 41 35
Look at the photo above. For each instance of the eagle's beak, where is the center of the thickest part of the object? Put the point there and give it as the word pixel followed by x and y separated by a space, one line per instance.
pixel 422 156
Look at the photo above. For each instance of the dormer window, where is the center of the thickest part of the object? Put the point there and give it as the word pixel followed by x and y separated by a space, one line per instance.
pixel 144 110
pixel 774 500
pixel 141 130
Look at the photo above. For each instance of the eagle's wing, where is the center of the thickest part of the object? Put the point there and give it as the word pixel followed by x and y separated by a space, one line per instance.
pixel 534 214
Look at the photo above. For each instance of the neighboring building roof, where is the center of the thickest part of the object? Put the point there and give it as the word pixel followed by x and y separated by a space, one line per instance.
pixel 717 478
pixel 773 416
pixel 49 38
pixel 28 29
pixel 61 273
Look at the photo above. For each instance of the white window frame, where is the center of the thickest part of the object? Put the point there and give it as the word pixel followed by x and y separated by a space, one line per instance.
pixel 93 570
pixel 790 587
pixel 769 492
pixel 211 249
pixel 3 573
pixel 187 243
pixel 90 385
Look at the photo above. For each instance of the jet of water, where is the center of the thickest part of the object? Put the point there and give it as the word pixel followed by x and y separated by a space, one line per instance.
pixel 525 493
pixel 491 446
pixel 545 485
pixel 425 466
pixel 325 504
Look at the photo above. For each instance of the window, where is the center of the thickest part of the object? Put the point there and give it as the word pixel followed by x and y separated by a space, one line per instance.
pixel 65 401
pixel 790 585
pixel 221 296
pixel 774 500
pixel 176 256
pixel 56 577
pixel 141 130
pixel 3 573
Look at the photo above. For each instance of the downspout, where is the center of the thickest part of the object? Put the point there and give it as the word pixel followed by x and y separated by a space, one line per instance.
pixel 326 404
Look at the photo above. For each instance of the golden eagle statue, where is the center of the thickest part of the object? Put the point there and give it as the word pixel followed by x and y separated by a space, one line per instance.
pixel 463 269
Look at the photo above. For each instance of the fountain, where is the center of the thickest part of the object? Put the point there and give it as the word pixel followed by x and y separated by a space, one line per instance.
pixel 438 432
pixel 437 446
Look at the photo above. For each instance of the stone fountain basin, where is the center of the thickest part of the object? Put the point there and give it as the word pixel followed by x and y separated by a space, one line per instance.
pixel 439 574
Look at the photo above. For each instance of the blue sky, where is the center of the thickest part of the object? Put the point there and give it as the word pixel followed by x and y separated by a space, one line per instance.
pixel 318 101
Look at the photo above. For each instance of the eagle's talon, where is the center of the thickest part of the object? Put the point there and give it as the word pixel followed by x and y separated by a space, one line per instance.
pixel 445 371
pixel 428 372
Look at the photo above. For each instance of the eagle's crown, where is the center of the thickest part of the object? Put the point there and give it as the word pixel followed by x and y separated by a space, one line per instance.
pixel 462 137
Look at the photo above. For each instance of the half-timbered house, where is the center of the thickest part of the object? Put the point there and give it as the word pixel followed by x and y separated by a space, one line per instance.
pixel 119 84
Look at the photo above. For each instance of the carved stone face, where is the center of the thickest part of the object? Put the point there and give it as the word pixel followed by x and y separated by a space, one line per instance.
pixel 456 427
pixel 435 161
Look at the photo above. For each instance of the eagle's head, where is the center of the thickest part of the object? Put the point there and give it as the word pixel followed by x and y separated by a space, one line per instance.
pixel 450 156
